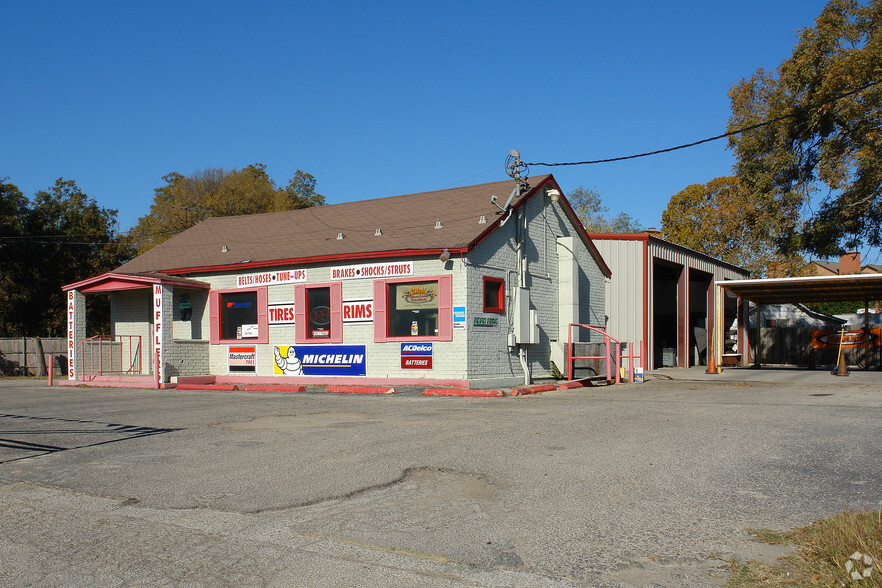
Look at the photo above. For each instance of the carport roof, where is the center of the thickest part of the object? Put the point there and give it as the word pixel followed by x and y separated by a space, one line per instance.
pixel 855 287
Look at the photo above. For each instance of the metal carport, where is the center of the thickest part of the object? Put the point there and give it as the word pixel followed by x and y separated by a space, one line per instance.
pixel 848 288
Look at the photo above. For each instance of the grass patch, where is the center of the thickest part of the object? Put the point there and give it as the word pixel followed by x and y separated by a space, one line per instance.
pixel 843 550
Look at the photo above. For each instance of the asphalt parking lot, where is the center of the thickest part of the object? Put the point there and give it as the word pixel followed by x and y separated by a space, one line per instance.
pixel 645 484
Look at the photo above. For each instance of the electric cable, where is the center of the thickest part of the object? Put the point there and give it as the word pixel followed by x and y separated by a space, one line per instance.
pixel 793 114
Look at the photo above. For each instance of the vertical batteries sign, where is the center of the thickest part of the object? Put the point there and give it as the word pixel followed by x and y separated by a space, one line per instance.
pixel 157 330
pixel 71 336
pixel 416 356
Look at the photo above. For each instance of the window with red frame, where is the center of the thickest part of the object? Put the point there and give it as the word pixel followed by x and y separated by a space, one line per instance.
pixel 318 311
pixel 494 295
pixel 238 315
pixel 414 310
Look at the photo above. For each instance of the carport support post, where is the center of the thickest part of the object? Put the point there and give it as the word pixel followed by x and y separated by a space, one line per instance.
pixel 866 333
pixel 743 344
pixel 759 341
pixel 719 320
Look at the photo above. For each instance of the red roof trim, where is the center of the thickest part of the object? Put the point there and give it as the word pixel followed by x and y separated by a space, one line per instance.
pixel 313 259
pixel 112 281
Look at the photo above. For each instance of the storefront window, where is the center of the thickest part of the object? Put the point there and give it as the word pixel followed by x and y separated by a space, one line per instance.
pixel 318 313
pixel 494 295
pixel 413 309
pixel 238 315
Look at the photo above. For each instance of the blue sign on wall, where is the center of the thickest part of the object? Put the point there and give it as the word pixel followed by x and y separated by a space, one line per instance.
pixel 320 360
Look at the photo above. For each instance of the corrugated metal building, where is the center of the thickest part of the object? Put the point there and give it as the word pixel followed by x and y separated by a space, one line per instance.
pixel 664 294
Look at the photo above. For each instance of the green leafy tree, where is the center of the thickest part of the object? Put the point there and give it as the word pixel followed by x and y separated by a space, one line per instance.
pixel 728 221
pixel 589 207
pixel 300 193
pixel 826 142
pixel 186 200
pixel 58 238
pixel 13 258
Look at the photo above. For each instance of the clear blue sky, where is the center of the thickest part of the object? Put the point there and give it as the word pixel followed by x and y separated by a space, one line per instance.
pixel 378 98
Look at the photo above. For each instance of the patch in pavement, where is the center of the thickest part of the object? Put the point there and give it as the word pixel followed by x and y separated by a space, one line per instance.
pixel 332 419
pixel 430 513
pixel 22 436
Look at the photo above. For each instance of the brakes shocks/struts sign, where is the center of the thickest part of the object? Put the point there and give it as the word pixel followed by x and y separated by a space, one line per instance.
pixel 319 360
pixel 416 356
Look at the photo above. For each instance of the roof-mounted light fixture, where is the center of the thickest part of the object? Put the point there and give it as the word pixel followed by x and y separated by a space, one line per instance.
pixel 554 195
pixel 445 255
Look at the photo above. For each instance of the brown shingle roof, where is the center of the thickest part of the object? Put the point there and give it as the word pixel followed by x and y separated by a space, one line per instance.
pixel 407 224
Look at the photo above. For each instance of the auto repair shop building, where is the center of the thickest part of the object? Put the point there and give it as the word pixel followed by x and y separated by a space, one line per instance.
pixel 442 288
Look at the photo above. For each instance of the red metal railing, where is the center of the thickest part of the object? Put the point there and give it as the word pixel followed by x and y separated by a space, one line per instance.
pixel 104 355
pixel 608 342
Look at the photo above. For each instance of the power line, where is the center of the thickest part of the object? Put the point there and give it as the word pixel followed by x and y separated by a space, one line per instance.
pixel 797 112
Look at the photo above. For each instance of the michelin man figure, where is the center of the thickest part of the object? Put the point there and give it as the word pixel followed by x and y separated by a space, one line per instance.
pixel 289 365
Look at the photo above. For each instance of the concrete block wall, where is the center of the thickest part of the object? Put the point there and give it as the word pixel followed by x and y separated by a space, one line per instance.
pixel 186 358
pixel 490 361
pixel 193 328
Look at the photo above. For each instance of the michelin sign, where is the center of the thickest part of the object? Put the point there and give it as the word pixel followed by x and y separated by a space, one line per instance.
pixel 319 360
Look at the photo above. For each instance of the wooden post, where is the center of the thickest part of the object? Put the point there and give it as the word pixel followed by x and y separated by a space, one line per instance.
pixel 759 342
pixel 867 356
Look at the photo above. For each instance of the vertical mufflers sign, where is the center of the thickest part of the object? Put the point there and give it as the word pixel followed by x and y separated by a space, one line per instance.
pixel 157 330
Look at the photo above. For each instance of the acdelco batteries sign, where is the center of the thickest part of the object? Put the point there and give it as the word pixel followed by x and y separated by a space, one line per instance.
pixel 416 356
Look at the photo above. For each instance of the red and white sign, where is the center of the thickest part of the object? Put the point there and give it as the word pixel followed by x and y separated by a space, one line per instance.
pixel 242 359
pixel 157 329
pixel 280 313
pixel 416 363
pixel 372 270
pixel 416 356
pixel 358 311
pixel 71 337
pixel 271 278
